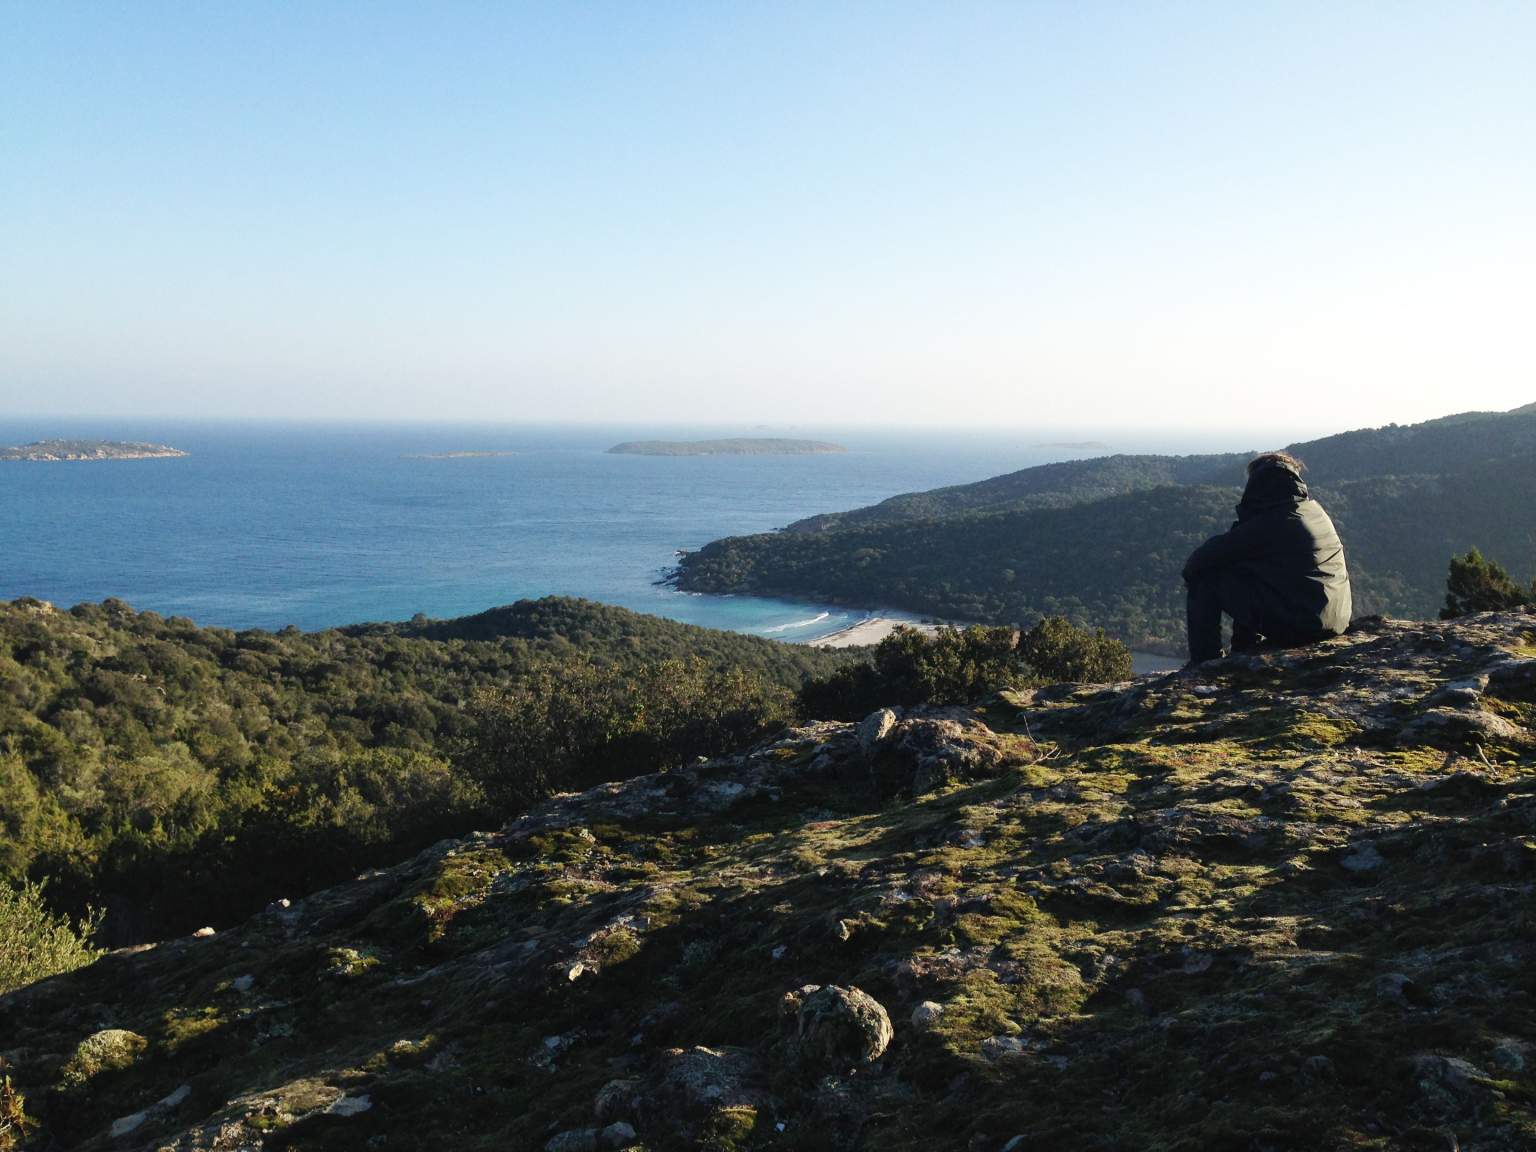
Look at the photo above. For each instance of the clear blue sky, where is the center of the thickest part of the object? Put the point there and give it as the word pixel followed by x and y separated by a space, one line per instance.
pixel 1036 213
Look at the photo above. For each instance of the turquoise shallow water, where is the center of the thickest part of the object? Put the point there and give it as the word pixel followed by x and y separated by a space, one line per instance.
pixel 322 525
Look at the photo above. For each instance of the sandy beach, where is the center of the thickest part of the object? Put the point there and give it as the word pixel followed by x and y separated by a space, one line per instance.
pixel 870 631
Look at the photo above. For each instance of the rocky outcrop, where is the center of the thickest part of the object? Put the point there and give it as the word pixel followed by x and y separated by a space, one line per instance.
pixel 922 752
pixel 1283 901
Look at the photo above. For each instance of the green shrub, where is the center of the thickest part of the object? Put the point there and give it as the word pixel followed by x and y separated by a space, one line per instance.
pixel 34 942
pixel 1055 651
pixel 1477 584
pixel 957 666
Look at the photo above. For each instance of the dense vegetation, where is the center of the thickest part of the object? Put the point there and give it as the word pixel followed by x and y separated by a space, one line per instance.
pixel 961 665
pixel 1101 542
pixel 570 724
pixel 177 775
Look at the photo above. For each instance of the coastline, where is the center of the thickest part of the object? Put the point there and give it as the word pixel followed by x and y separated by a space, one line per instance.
pixel 870 630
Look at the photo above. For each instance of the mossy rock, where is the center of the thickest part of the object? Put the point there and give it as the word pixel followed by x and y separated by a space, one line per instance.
pixel 110 1050
pixel 728 1130
pixel 837 1028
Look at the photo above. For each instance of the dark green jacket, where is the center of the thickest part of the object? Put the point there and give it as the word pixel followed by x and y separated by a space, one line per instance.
pixel 1285 551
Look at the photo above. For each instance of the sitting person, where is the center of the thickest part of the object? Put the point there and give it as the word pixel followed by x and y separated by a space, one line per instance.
pixel 1278 571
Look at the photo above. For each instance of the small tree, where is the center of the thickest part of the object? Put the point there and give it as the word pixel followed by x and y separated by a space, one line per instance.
pixel 1056 651
pixel 1477 584
pixel 951 667
pixel 35 943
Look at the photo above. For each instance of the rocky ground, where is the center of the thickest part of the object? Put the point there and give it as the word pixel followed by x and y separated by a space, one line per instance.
pixel 1284 903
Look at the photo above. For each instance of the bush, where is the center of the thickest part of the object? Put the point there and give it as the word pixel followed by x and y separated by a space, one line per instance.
pixel 1477 584
pixel 958 666
pixel 35 943
pixel 909 668
pixel 951 667
pixel 1054 651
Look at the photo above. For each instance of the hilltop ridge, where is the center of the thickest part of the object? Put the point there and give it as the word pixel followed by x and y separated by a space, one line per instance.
pixel 1281 903
pixel 1102 540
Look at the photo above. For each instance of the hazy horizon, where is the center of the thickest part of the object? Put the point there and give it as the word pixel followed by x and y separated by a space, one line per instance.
pixel 1190 216
pixel 1140 437
pixel 1237 436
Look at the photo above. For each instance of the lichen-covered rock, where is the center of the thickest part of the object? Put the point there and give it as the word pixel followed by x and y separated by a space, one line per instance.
pixel 926 1015
pixel 701 1081
pixel 1454 727
pixel 1513 680
pixel 874 729
pixel 1449 1087
pixel 1213 912
pixel 997 1048
pixel 924 751
pixel 1511 1055
pixel 618 1100
pixel 837 1028
pixel 1363 859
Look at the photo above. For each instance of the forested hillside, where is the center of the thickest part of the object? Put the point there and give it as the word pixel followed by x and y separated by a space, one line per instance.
pixel 1102 541
pixel 180 775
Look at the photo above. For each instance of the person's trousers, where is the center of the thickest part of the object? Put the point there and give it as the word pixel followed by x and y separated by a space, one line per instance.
pixel 1211 594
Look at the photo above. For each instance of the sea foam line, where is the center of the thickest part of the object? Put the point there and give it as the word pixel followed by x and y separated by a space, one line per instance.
pixel 797 624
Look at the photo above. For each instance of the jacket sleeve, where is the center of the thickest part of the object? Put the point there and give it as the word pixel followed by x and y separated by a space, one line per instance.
pixel 1243 541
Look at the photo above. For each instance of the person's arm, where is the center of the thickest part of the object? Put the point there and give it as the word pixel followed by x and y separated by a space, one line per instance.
pixel 1243 541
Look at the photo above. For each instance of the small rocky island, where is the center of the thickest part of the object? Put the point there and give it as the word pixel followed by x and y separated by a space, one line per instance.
pixel 89 450
pixel 740 446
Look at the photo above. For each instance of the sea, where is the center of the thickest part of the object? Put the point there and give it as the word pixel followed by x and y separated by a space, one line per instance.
pixel 270 524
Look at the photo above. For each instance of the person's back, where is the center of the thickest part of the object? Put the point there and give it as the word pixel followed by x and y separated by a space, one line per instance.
pixel 1279 572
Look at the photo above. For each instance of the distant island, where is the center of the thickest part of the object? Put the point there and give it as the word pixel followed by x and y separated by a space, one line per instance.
pixel 453 455
pixel 741 446
pixel 89 450
pixel 1076 445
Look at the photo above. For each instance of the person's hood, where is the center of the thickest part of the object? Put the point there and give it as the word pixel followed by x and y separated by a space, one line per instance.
pixel 1273 486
